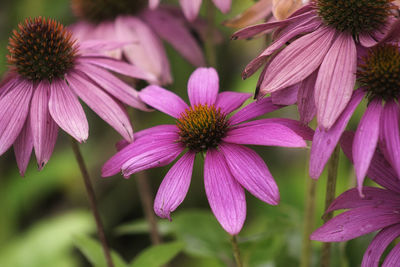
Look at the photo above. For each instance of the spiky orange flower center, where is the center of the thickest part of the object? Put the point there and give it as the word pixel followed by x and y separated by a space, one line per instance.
pixel 41 49
pixel 379 73
pixel 354 16
pixel 202 127
pixel 100 10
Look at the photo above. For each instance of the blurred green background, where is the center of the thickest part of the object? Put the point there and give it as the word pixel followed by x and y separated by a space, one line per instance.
pixel 45 219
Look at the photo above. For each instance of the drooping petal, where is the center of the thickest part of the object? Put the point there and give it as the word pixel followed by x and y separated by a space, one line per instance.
pixel 255 13
pixel 355 223
pixel 44 128
pixel 264 132
pixel 223 5
pixel 378 245
pixel 336 80
pixel 286 96
pixel 225 195
pixel 174 186
pixel 305 98
pixel 23 146
pixel 163 100
pixel 67 112
pixel 250 171
pixel 102 104
pixel 390 134
pixel 254 110
pixel 230 101
pixel 14 108
pixel 367 40
pixel 164 129
pixel 393 258
pixel 366 139
pixel 324 142
pixel 283 8
pixel 190 8
pixel 203 86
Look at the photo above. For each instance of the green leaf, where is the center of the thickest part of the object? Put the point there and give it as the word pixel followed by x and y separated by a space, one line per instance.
pixel 93 251
pixel 158 255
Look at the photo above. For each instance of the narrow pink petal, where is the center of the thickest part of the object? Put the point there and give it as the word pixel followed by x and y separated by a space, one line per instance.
pixel 223 5
pixel 23 146
pixel 153 4
pixel 102 104
pixel 203 86
pixel 264 132
pixel 44 128
pixel 250 171
pixel 174 186
pixel 67 112
pixel 390 135
pixel 98 47
pixel 324 142
pixel 286 96
pixel 355 223
pixel 305 98
pixel 336 80
pixel 367 40
pixel 393 258
pixel 254 110
pixel 9 81
pixel 149 139
pixel 190 8
pixel 14 108
pixel 366 139
pixel 163 100
pixel 379 244
pixel 175 32
pixel 230 101
pixel 113 86
pixel 297 61
pixel 225 195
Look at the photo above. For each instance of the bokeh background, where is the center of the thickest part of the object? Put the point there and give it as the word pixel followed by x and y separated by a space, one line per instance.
pixel 45 218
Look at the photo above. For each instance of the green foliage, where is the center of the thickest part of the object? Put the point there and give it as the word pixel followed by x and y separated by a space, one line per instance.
pixel 157 256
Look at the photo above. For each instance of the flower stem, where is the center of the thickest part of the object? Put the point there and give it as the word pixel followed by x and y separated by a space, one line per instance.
pixel 146 197
pixel 210 42
pixel 92 201
pixel 236 251
pixel 333 165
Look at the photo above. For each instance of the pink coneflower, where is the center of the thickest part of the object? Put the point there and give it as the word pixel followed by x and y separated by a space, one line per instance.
pixel 132 22
pixel 378 74
pixel 191 8
pixel 204 127
pixel 379 209
pixel 320 62
pixel 48 73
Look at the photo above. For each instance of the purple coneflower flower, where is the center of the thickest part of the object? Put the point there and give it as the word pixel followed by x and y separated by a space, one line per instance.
pixel 205 128
pixel 319 64
pixel 191 8
pixel 379 209
pixel 131 21
pixel 48 73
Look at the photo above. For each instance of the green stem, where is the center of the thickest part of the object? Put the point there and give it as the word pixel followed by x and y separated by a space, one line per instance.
pixel 210 42
pixel 236 251
pixel 92 201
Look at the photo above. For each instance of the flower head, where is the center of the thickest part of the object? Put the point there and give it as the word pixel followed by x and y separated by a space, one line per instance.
pixel 48 72
pixel 378 209
pixel 206 127
pixel 142 29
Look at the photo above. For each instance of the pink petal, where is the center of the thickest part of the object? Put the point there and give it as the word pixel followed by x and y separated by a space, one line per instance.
pixel 44 128
pixel 355 223
pixel 102 104
pixel 254 110
pixel 190 8
pixel 14 108
pixel 174 31
pixel 264 132
pixel 23 146
pixel 174 186
pixel 393 258
pixel 336 80
pixel 366 139
pixel 297 61
pixel 378 245
pixel 230 101
pixel 67 112
pixel 367 40
pixel 163 100
pixel 225 195
pixel 256 12
pixel 305 98
pixel 158 130
pixel 324 142
pixel 251 172
pixel 390 135
pixel 223 5
pixel 153 4
pixel 286 96
pixel 203 86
